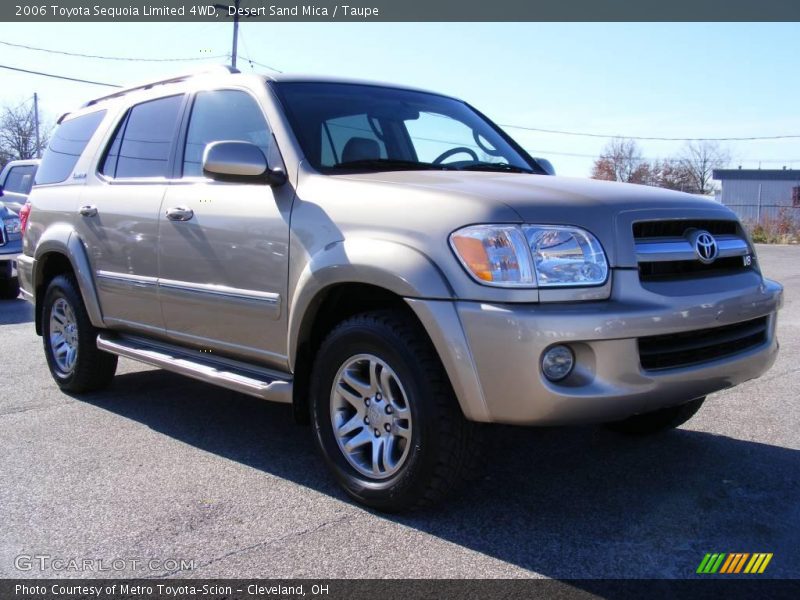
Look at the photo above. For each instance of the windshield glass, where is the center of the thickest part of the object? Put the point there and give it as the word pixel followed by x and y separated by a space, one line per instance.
pixel 363 127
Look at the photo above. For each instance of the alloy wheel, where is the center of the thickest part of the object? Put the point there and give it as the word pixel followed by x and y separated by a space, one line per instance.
pixel 371 416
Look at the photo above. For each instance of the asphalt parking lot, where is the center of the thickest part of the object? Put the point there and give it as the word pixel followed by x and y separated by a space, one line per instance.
pixel 163 467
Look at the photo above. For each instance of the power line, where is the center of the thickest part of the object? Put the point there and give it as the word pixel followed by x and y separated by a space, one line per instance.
pixel 656 159
pixel 641 137
pixel 255 62
pixel 137 59
pixel 522 127
pixel 100 57
pixel 250 60
pixel 114 85
pixel 654 138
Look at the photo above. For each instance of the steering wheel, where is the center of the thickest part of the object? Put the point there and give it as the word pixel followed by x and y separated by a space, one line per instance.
pixel 452 152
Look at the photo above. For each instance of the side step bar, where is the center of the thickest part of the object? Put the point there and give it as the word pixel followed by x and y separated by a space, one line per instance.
pixel 253 381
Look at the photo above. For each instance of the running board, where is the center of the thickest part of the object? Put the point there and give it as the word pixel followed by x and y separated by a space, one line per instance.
pixel 233 375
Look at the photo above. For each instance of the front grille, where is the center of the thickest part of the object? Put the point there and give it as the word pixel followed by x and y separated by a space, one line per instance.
pixel 676 228
pixel 687 269
pixel 665 251
pixel 690 348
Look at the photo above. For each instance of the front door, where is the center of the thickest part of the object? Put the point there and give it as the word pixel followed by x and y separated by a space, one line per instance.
pixel 223 246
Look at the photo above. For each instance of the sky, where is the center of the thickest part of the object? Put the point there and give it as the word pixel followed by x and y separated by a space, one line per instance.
pixel 632 79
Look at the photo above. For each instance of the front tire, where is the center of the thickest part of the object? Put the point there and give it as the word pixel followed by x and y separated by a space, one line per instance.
pixel 385 418
pixel 70 340
pixel 658 420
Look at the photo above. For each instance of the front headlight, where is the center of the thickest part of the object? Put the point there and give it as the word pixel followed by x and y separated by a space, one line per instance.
pixel 12 225
pixel 566 256
pixel 494 254
pixel 530 255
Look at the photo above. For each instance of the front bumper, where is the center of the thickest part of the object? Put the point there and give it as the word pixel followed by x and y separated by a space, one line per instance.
pixel 494 360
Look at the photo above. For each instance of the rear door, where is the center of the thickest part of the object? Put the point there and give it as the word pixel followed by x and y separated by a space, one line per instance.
pixel 119 214
pixel 224 265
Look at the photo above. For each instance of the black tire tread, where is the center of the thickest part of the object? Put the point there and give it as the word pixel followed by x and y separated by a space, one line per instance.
pixel 461 440
pixel 95 369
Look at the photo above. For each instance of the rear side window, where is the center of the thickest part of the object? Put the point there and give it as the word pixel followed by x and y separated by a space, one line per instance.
pixel 66 146
pixel 143 141
pixel 20 179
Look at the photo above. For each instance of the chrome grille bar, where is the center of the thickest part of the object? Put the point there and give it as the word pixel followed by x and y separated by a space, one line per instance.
pixel 680 249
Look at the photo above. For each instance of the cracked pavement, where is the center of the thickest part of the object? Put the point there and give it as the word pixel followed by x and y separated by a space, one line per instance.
pixel 163 467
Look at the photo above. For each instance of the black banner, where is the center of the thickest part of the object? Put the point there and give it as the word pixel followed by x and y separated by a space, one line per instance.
pixel 337 589
pixel 399 10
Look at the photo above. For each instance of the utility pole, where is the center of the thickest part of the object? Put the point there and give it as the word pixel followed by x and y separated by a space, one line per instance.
pixel 235 48
pixel 36 121
pixel 235 33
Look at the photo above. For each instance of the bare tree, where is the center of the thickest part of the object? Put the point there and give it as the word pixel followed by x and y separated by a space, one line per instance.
pixel 18 133
pixel 697 162
pixel 672 175
pixel 621 160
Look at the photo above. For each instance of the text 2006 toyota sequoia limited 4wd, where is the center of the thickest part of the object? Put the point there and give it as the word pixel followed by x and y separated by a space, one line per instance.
pixel 388 261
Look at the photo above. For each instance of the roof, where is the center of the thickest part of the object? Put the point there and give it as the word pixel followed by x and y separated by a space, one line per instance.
pixel 758 174
pixel 219 70
pixel 24 162
pixel 307 78
pixel 226 71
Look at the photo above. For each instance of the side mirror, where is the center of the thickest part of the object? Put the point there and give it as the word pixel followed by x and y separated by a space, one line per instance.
pixel 239 161
pixel 546 165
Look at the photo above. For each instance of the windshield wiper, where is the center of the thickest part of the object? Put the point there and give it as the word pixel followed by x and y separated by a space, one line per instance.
pixel 388 164
pixel 490 166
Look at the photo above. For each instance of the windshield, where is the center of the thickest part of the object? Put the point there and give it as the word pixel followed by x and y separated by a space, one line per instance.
pixel 363 127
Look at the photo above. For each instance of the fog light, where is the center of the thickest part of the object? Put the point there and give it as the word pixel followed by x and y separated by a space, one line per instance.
pixel 557 362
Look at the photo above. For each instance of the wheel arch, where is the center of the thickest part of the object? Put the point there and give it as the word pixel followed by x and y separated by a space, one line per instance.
pixel 351 276
pixel 384 267
pixel 329 306
pixel 60 250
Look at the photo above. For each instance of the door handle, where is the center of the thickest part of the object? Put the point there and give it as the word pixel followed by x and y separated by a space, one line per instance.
pixel 180 213
pixel 88 211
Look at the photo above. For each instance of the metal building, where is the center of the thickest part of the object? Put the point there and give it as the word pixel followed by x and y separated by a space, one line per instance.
pixel 758 195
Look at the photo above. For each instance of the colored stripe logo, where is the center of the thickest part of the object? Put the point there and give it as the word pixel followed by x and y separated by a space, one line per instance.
pixel 734 563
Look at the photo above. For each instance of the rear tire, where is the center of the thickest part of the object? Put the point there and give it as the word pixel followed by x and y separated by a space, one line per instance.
pixel 418 447
pixel 658 420
pixel 70 340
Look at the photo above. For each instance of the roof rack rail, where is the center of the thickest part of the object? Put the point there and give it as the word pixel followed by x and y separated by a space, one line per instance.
pixel 219 69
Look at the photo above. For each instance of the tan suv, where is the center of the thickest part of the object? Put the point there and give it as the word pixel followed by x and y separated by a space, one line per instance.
pixel 387 260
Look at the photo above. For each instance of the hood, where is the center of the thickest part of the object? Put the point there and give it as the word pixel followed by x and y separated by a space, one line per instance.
pixel 607 209
pixel 540 194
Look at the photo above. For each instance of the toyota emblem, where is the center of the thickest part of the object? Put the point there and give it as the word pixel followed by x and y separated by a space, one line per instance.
pixel 705 246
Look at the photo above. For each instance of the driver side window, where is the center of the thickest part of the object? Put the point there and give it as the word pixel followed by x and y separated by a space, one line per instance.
pixel 230 115
pixel 433 134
